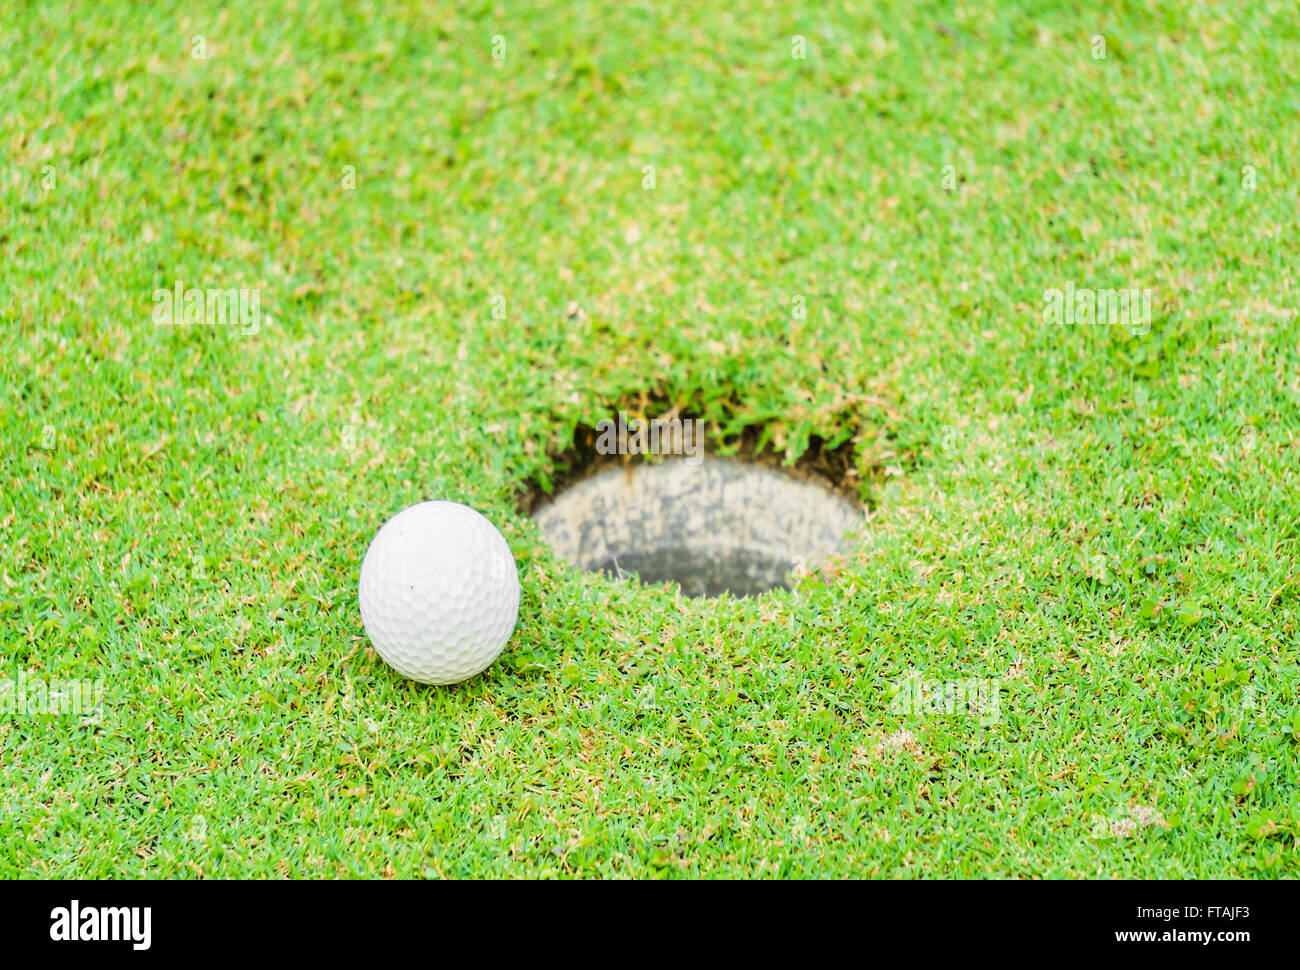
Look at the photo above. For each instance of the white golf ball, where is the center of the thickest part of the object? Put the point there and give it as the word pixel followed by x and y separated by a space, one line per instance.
pixel 439 592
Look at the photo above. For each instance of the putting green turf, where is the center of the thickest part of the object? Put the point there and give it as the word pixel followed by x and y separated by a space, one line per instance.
pixel 1099 522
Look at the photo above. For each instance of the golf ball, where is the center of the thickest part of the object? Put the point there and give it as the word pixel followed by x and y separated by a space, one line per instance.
pixel 439 592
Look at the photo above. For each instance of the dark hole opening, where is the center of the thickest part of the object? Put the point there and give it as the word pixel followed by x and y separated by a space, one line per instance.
pixel 712 527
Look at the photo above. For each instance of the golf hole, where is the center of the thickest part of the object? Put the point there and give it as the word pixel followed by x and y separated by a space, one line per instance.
pixel 713 526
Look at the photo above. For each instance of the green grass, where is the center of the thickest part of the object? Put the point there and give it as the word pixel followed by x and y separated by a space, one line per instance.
pixel 1103 522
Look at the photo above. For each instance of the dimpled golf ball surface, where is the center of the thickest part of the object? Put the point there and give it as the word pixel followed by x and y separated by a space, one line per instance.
pixel 439 592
